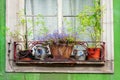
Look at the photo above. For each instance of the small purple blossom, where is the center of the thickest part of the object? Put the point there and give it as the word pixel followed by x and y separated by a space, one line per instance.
pixel 56 37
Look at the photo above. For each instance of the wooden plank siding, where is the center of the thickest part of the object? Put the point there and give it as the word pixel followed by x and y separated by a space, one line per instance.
pixel 57 76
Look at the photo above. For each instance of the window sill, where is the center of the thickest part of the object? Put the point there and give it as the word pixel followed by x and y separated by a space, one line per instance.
pixel 69 63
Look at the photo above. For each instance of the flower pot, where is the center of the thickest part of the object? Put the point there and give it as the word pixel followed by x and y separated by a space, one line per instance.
pixel 61 51
pixel 80 55
pixel 39 52
pixel 25 55
pixel 25 59
pixel 94 53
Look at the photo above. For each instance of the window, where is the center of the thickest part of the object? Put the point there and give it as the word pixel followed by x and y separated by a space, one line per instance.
pixel 55 15
pixel 41 13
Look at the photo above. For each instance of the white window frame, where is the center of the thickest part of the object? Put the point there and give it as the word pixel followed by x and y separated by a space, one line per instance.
pixel 13 6
pixel 59 2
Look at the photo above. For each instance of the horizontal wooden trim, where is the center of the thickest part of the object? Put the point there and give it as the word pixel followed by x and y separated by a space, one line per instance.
pixel 50 15
pixel 62 64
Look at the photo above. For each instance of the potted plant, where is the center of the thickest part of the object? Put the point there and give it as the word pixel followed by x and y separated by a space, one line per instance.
pixel 60 44
pixel 19 35
pixel 90 20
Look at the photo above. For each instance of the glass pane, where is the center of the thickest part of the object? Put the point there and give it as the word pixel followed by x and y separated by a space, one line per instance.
pixel 73 7
pixel 44 26
pixel 44 7
pixel 29 28
pixel 28 7
pixel 41 27
pixel 44 17
pixel 69 25
pixel 73 27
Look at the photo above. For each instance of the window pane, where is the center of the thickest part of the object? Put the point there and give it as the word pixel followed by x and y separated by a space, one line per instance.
pixel 73 27
pixel 44 7
pixel 42 15
pixel 45 26
pixel 73 7
pixel 28 7
pixel 29 28
pixel 38 27
pixel 69 25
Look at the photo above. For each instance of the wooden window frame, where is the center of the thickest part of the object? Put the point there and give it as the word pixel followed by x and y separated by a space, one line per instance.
pixel 13 6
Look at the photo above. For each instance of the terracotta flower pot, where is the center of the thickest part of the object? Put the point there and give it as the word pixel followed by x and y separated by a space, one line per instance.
pixel 25 55
pixel 25 59
pixel 93 53
pixel 61 51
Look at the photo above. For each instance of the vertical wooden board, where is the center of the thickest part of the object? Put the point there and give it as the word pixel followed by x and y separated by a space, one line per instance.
pixel 91 77
pixel 14 76
pixel 54 76
pixel 2 78
pixel 100 76
pixel 79 76
pixel 31 76
pixel 117 39
pixel 2 36
pixel 2 57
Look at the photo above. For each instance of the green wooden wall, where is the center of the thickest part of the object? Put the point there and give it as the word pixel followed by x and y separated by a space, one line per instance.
pixel 53 76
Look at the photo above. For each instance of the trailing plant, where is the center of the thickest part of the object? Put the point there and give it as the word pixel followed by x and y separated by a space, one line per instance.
pixel 60 44
pixel 15 33
pixel 90 20
pixel 69 27
pixel 58 38
pixel 42 29
pixel 21 31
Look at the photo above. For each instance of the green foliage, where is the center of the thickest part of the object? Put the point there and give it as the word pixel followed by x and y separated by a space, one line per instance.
pixel 70 40
pixel 16 34
pixel 21 18
pixel 22 21
pixel 90 17
pixel 70 30
pixel 68 24
pixel 40 23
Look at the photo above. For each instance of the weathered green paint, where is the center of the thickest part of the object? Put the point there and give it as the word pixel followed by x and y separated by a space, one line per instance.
pixel 53 76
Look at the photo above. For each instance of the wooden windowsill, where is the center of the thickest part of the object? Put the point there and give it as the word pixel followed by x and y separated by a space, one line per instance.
pixel 60 63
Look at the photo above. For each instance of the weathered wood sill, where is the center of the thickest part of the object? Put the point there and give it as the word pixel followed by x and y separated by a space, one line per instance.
pixel 60 63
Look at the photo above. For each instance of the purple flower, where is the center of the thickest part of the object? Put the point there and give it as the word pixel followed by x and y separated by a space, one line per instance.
pixel 56 37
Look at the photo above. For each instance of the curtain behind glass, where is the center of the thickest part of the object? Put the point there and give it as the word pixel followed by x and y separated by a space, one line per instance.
pixel 44 13
pixel 71 8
